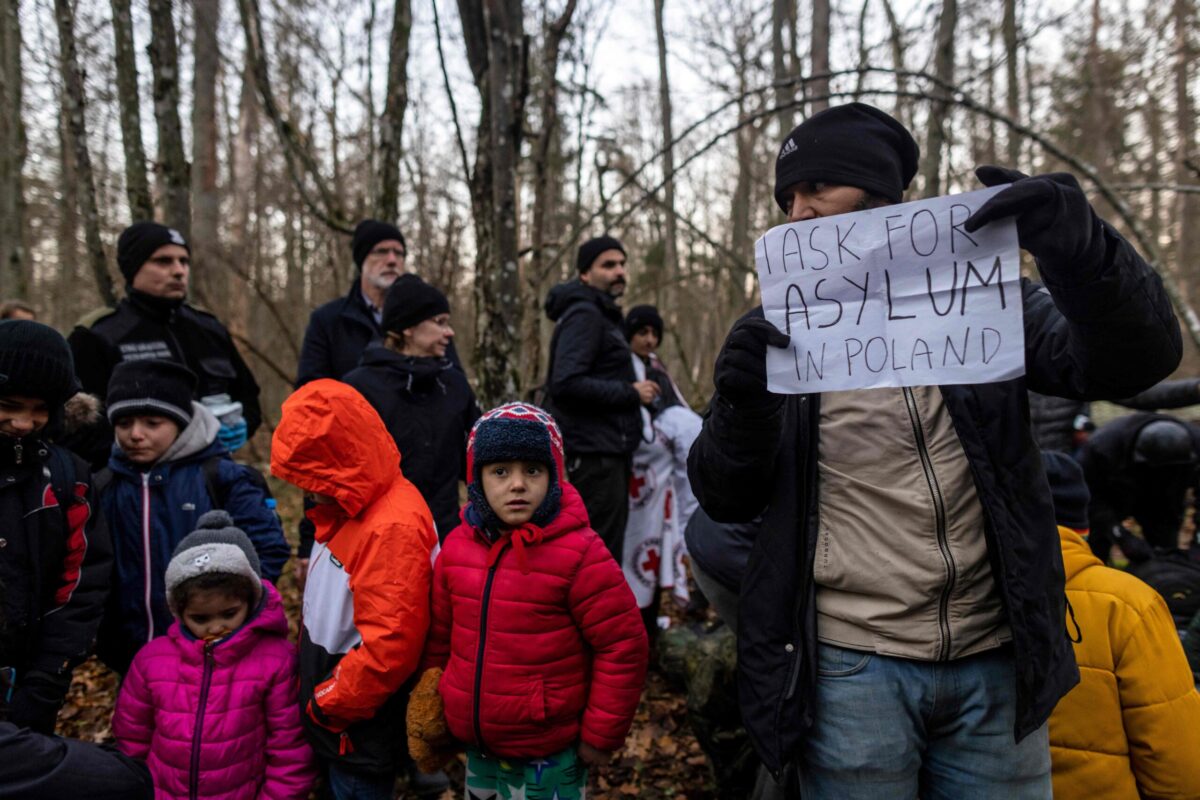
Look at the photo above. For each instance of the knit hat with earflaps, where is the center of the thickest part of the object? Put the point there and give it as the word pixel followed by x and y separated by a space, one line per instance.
pixel 515 432
pixel 216 546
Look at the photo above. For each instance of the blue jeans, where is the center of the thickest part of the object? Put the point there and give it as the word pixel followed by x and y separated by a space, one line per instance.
pixel 894 728
pixel 344 785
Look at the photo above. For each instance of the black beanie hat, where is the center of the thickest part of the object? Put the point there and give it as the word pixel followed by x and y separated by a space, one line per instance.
pixel 369 233
pixel 852 145
pixel 410 301
pixel 35 361
pixel 1068 488
pixel 139 241
pixel 590 250
pixel 151 386
pixel 641 316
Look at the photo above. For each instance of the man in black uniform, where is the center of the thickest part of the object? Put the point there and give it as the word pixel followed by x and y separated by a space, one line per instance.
pixel 155 321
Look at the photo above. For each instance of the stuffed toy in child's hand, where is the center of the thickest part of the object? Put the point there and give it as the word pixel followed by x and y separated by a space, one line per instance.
pixel 429 741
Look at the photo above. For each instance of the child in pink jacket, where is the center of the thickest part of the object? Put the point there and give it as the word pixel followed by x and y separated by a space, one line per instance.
pixel 212 705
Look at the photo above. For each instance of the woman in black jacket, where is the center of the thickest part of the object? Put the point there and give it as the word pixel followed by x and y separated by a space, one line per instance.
pixel 423 399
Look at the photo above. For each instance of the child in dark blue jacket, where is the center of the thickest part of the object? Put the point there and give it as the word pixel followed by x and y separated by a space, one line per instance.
pixel 168 468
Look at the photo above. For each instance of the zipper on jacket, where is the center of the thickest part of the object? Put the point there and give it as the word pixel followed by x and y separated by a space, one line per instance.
pixel 939 513
pixel 18 453
pixel 147 568
pixel 205 682
pixel 483 615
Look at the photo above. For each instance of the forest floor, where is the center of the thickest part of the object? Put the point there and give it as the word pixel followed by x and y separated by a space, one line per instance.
pixel 661 758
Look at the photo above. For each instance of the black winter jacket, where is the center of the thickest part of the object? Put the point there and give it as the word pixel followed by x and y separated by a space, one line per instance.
pixel 37 767
pixel 1053 418
pixel 54 575
pixel 338 332
pixel 589 381
pixel 428 408
pixel 147 327
pixel 1110 334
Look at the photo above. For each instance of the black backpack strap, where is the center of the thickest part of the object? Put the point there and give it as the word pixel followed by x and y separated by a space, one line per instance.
pixel 101 480
pixel 216 492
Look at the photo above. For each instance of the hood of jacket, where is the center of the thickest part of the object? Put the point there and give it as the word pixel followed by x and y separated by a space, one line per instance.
pixel 331 441
pixel 200 433
pixel 411 372
pixel 268 619
pixel 572 516
pixel 1077 554
pixel 568 293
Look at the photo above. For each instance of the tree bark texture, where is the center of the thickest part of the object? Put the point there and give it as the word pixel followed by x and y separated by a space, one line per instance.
pixel 939 110
pixel 172 165
pixel 13 261
pixel 548 168
pixel 493 31
pixel 137 188
pixel 820 54
pixel 241 249
pixel 670 266
pixel 392 124
pixel 211 276
pixel 1012 84
pixel 783 17
pixel 1187 206
pixel 76 108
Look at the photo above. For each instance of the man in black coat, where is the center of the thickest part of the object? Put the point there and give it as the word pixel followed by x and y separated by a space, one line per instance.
pixel 155 321
pixel 339 331
pixel 34 766
pixel 902 612
pixel 591 388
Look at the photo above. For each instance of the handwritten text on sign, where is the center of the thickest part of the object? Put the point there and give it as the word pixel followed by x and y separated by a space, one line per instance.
pixel 893 296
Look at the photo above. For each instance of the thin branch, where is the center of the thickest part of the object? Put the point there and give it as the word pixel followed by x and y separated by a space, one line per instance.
pixel 462 148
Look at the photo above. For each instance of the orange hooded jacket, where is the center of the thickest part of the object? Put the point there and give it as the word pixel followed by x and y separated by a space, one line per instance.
pixel 1131 727
pixel 366 600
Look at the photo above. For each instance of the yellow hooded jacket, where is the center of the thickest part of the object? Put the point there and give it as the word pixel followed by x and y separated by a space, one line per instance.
pixel 1131 728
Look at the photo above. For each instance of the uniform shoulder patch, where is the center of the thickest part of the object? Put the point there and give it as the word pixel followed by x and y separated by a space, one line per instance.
pixel 92 317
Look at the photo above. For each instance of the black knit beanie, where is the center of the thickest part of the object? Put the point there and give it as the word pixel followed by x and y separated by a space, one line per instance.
pixel 1068 488
pixel 151 386
pixel 139 241
pixel 410 301
pixel 590 250
pixel 852 145
pixel 641 316
pixel 35 361
pixel 369 233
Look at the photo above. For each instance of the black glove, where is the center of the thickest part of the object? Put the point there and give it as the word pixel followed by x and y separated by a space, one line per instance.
pixel 1055 222
pixel 36 701
pixel 740 374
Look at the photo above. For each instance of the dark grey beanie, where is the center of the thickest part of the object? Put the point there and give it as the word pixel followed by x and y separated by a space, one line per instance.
pixel 216 546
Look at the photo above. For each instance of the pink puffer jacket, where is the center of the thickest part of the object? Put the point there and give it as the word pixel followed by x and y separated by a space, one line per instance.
pixel 241 696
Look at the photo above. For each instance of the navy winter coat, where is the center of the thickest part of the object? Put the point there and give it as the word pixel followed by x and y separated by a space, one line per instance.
pixel 148 514
pixel 428 408
pixel 338 332
pixel 589 381
pixel 1110 333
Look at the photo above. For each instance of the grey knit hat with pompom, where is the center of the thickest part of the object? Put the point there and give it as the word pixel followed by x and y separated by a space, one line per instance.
pixel 216 546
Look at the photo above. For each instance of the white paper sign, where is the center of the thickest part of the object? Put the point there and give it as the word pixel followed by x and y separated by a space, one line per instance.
pixel 894 296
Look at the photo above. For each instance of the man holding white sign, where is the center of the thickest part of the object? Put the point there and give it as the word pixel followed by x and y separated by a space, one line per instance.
pixel 902 614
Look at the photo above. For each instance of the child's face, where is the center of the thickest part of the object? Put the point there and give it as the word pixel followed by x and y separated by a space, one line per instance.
pixel 21 415
pixel 213 614
pixel 144 438
pixel 515 489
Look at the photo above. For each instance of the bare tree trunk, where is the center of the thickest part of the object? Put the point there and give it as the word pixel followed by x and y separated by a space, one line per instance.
pixel 820 54
pixel 243 187
pixel 863 53
pixel 939 111
pixel 67 283
pixel 172 163
pixel 493 31
pixel 206 201
pixel 13 272
pixel 896 41
pixel 783 15
pixel 76 108
pixel 1187 206
pixel 670 254
pixel 393 113
pixel 137 188
pixel 1011 63
pixel 547 192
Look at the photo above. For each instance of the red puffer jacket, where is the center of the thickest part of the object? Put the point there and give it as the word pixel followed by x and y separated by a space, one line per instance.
pixel 542 648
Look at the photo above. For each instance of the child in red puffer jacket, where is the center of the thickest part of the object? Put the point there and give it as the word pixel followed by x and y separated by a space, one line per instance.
pixel 540 638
